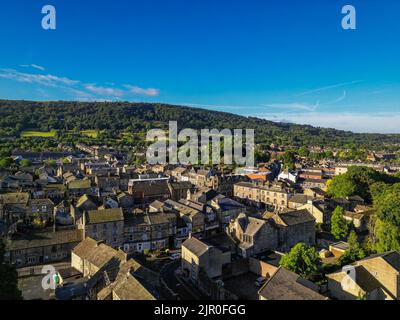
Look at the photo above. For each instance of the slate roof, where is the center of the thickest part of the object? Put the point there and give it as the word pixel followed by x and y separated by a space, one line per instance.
pixel 131 289
pixel 148 188
pixel 106 215
pixel 364 279
pixel 294 217
pixel 98 254
pixel 287 285
pixel 299 198
pixel 250 225
pixel 43 239
pixel 79 184
pixel 195 246
pixel 13 198
pixel 391 257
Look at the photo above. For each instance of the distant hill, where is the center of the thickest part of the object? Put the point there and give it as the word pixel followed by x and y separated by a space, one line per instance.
pixel 115 118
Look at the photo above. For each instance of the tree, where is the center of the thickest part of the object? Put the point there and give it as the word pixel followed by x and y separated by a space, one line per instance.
pixel 341 187
pixel 386 236
pixel 357 181
pixel 303 152
pixel 51 162
pixel 25 163
pixel 5 162
pixel 355 251
pixel 339 226
pixel 289 160
pixel 8 279
pixel 385 227
pixel 302 260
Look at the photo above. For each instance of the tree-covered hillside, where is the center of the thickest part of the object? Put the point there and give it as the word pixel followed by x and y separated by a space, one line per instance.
pixel 120 119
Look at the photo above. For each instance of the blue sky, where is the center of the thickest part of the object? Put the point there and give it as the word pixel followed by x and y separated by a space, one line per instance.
pixel 283 60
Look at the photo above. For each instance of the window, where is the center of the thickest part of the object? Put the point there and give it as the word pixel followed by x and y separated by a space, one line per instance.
pixel 31 260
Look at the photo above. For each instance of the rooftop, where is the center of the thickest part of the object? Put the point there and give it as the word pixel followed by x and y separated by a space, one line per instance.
pixel 105 215
pixel 287 285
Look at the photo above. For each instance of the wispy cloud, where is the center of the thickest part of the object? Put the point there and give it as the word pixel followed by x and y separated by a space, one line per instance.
pixel 34 66
pixel 337 100
pixel 294 106
pixel 42 79
pixel 104 91
pixel 333 86
pixel 75 88
pixel 216 106
pixel 302 106
pixel 151 92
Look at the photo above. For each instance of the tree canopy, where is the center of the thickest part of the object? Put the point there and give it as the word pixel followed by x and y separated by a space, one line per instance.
pixel 339 226
pixel 357 181
pixel 302 260
pixel 8 279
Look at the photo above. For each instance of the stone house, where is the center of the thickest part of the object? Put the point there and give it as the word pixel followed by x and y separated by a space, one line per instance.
pixel 44 208
pixel 111 276
pixel 275 196
pixel 294 227
pixel 104 225
pixel 252 235
pixel 193 217
pixel 226 209
pixel 41 248
pixel 198 256
pixel 149 231
pixel 298 200
pixel 318 209
pixel 14 206
pixel 90 256
pixel 79 187
pixel 146 191
pixel 179 190
pixel 374 278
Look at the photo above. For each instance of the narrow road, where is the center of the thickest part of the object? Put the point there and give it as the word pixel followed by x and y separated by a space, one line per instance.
pixel 168 275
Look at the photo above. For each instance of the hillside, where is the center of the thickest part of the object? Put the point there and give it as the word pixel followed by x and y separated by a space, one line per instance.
pixel 116 120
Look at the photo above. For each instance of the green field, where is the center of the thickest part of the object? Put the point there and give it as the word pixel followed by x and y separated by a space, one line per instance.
pixel 39 134
pixel 90 133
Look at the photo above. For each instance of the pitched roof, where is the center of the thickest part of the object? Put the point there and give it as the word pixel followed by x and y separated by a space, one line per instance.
pixel 250 225
pixel 98 254
pixel 287 285
pixel 294 217
pixel 132 282
pixel 130 288
pixel 37 240
pixel 16 197
pixel 391 257
pixel 79 184
pixel 105 215
pixel 299 198
pixel 364 279
pixel 195 246
pixel 153 187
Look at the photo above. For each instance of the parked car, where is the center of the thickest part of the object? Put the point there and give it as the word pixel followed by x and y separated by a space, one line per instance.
pixel 175 256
